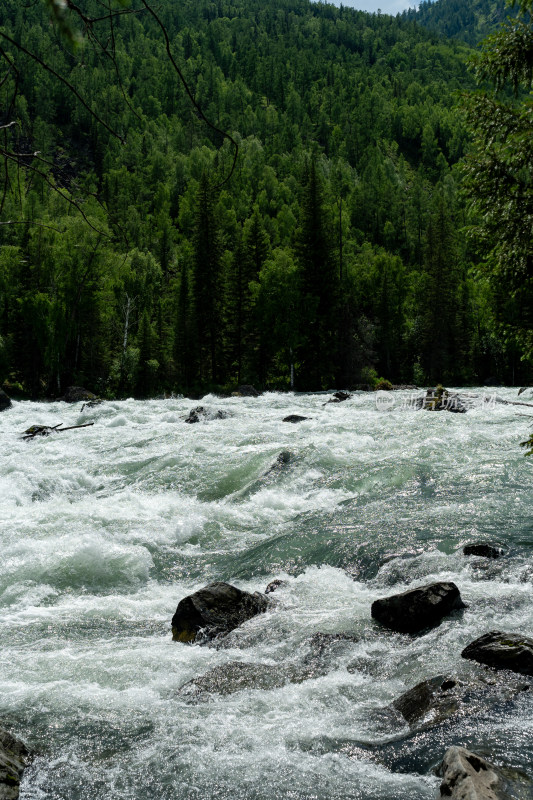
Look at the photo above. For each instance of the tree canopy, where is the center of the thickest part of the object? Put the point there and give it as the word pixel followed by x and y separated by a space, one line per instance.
pixel 139 256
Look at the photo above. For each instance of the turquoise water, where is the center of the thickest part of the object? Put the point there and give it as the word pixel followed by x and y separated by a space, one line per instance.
pixel 104 529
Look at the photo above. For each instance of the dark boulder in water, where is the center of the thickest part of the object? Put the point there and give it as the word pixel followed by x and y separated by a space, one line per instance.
pixel 92 403
pixel 431 695
pixel 274 585
pixel 436 700
pixel 483 549
pixel 469 776
pixel 502 651
pixel 14 757
pixel 294 418
pixel 284 458
pixel 339 397
pixel 204 413
pixel 417 609
pixel 76 394
pixel 5 401
pixel 213 610
pixel 246 390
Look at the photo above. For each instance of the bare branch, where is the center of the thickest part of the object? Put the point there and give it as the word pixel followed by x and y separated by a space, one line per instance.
pixel 191 97
pixel 15 159
pixel 65 82
pixel 31 222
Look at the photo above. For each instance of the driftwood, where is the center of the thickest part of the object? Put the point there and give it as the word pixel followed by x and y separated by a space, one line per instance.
pixel 46 430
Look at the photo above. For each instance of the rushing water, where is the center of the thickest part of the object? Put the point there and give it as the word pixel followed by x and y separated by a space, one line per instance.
pixel 104 529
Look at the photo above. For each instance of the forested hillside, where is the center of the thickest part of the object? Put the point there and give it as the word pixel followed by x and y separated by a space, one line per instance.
pixel 467 20
pixel 135 259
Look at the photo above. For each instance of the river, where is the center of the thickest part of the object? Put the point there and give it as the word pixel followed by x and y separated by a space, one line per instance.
pixel 104 529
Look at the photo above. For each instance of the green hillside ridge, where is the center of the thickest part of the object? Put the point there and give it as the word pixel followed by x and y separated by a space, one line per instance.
pixel 336 244
pixel 467 20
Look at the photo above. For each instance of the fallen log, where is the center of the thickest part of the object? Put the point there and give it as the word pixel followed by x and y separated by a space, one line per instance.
pixel 46 430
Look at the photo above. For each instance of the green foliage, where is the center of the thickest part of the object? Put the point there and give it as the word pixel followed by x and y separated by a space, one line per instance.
pixel 336 247
pixel 468 21
pixel 499 177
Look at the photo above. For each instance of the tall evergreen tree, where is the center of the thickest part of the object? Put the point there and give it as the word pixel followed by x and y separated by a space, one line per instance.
pixel 439 311
pixel 184 351
pixel 256 251
pixel 318 288
pixel 147 365
pixel 207 289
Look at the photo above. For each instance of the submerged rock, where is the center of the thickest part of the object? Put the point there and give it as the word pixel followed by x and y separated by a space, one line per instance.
pixel 440 399
pixel 432 695
pixel 502 651
pixel 483 549
pixel 438 699
pixel 215 609
pixel 235 677
pixel 469 776
pixel 14 758
pixel 284 458
pixel 76 394
pixel 417 609
pixel 5 401
pixel 274 585
pixel 204 413
pixel 294 418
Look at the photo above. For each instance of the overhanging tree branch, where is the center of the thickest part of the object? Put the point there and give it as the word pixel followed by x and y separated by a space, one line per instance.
pixel 63 80
pixel 190 95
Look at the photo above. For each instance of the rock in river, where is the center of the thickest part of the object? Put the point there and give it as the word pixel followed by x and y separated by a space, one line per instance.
pixel 202 412
pixel 339 397
pixel 246 390
pixel 76 394
pixel 294 418
pixel 440 399
pixel 235 676
pixel 468 776
pixel 417 609
pixel 438 699
pixel 215 609
pixel 14 757
pixel 483 549
pixel 502 651
pixel 274 585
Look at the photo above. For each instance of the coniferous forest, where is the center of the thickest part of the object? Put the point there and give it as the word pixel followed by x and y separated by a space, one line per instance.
pixel 204 193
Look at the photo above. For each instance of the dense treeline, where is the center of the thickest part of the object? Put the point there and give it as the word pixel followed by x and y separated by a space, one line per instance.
pixel 129 264
pixel 469 21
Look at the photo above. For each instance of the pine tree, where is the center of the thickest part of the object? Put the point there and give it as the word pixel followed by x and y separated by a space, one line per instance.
pixel 439 302
pixel 207 289
pixel 256 251
pixel 318 289
pixel 184 351
pixel 145 372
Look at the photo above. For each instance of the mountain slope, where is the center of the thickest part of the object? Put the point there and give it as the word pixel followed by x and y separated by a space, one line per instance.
pixel 467 20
